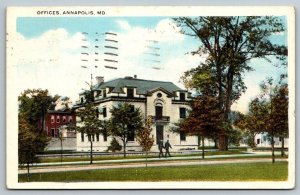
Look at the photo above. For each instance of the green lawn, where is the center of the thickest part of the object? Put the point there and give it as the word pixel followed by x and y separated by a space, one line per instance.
pixel 225 172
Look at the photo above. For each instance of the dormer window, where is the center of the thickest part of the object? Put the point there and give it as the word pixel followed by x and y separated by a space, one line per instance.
pixel 104 93
pixel 98 93
pixel 182 96
pixel 129 92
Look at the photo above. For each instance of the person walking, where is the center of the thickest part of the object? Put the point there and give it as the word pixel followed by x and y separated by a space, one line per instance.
pixel 160 148
pixel 167 147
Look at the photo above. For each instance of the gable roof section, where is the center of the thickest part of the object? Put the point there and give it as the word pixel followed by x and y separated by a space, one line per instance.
pixel 160 89
pixel 143 87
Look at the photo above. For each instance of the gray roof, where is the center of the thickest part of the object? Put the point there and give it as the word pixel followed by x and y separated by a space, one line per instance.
pixel 142 86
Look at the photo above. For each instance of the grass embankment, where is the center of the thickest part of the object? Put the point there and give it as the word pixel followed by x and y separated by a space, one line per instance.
pixel 225 172
pixel 119 157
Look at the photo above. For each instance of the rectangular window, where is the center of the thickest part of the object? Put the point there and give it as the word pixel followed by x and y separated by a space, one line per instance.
pixel 182 112
pixel 82 137
pixel 182 136
pixel 81 100
pixel 70 119
pixel 129 92
pixel 64 119
pixel 81 118
pixel 130 135
pixel 258 141
pixel 105 136
pixel 89 138
pixel 57 119
pixel 182 96
pixel 97 137
pixel 104 112
pixel 97 112
pixel 52 119
pixel 93 137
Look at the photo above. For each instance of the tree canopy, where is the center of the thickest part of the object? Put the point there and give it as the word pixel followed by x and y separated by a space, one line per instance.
pixel 204 120
pixel 34 103
pixel 144 137
pixel 90 124
pixel 32 139
pixel 229 43
pixel 125 122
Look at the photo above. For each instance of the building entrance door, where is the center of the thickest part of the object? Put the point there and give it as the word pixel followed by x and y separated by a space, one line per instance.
pixel 159 133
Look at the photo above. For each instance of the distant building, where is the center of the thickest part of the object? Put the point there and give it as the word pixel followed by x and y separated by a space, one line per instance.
pixel 262 140
pixel 59 119
pixel 165 102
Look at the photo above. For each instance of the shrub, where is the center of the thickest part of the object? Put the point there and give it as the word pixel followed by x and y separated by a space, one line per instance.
pixel 114 145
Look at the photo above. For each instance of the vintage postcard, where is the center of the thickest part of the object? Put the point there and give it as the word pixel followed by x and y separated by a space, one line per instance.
pixel 141 97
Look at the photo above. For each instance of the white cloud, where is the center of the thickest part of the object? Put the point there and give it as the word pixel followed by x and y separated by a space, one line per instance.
pixel 51 61
pixel 167 31
pixel 124 24
pixel 134 40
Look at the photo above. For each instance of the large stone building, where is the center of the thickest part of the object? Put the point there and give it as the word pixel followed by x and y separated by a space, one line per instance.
pixel 165 102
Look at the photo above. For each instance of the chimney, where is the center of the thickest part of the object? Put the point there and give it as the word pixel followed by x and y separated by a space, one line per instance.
pixel 100 79
pixel 135 76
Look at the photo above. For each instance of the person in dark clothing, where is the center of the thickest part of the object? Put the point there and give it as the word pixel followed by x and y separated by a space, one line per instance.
pixel 160 148
pixel 167 147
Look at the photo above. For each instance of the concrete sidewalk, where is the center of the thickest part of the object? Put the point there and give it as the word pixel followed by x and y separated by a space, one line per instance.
pixel 253 154
pixel 152 162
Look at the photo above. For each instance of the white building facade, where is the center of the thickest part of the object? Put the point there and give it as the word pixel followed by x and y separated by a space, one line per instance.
pixel 262 140
pixel 165 102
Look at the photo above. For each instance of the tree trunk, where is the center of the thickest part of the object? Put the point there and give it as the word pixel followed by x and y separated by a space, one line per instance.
pixel 254 143
pixel 224 138
pixel 28 174
pixel 202 147
pixel 216 143
pixel 91 152
pixel 61 151
pixel 282 146
pixel 223 142
pixel 146 159
pixel 124 148
pixel 273 153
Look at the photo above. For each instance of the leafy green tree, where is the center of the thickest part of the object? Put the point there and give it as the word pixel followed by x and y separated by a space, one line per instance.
pixel 33 104
pixel 204 120
pixel 124 122
pixel 269 112
pixel 29 143
pixel 32 139
pixel 229 44
pixel 278 111
pixel 90 124
pixel 279 116
pixel 144 137
pixel 254 122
